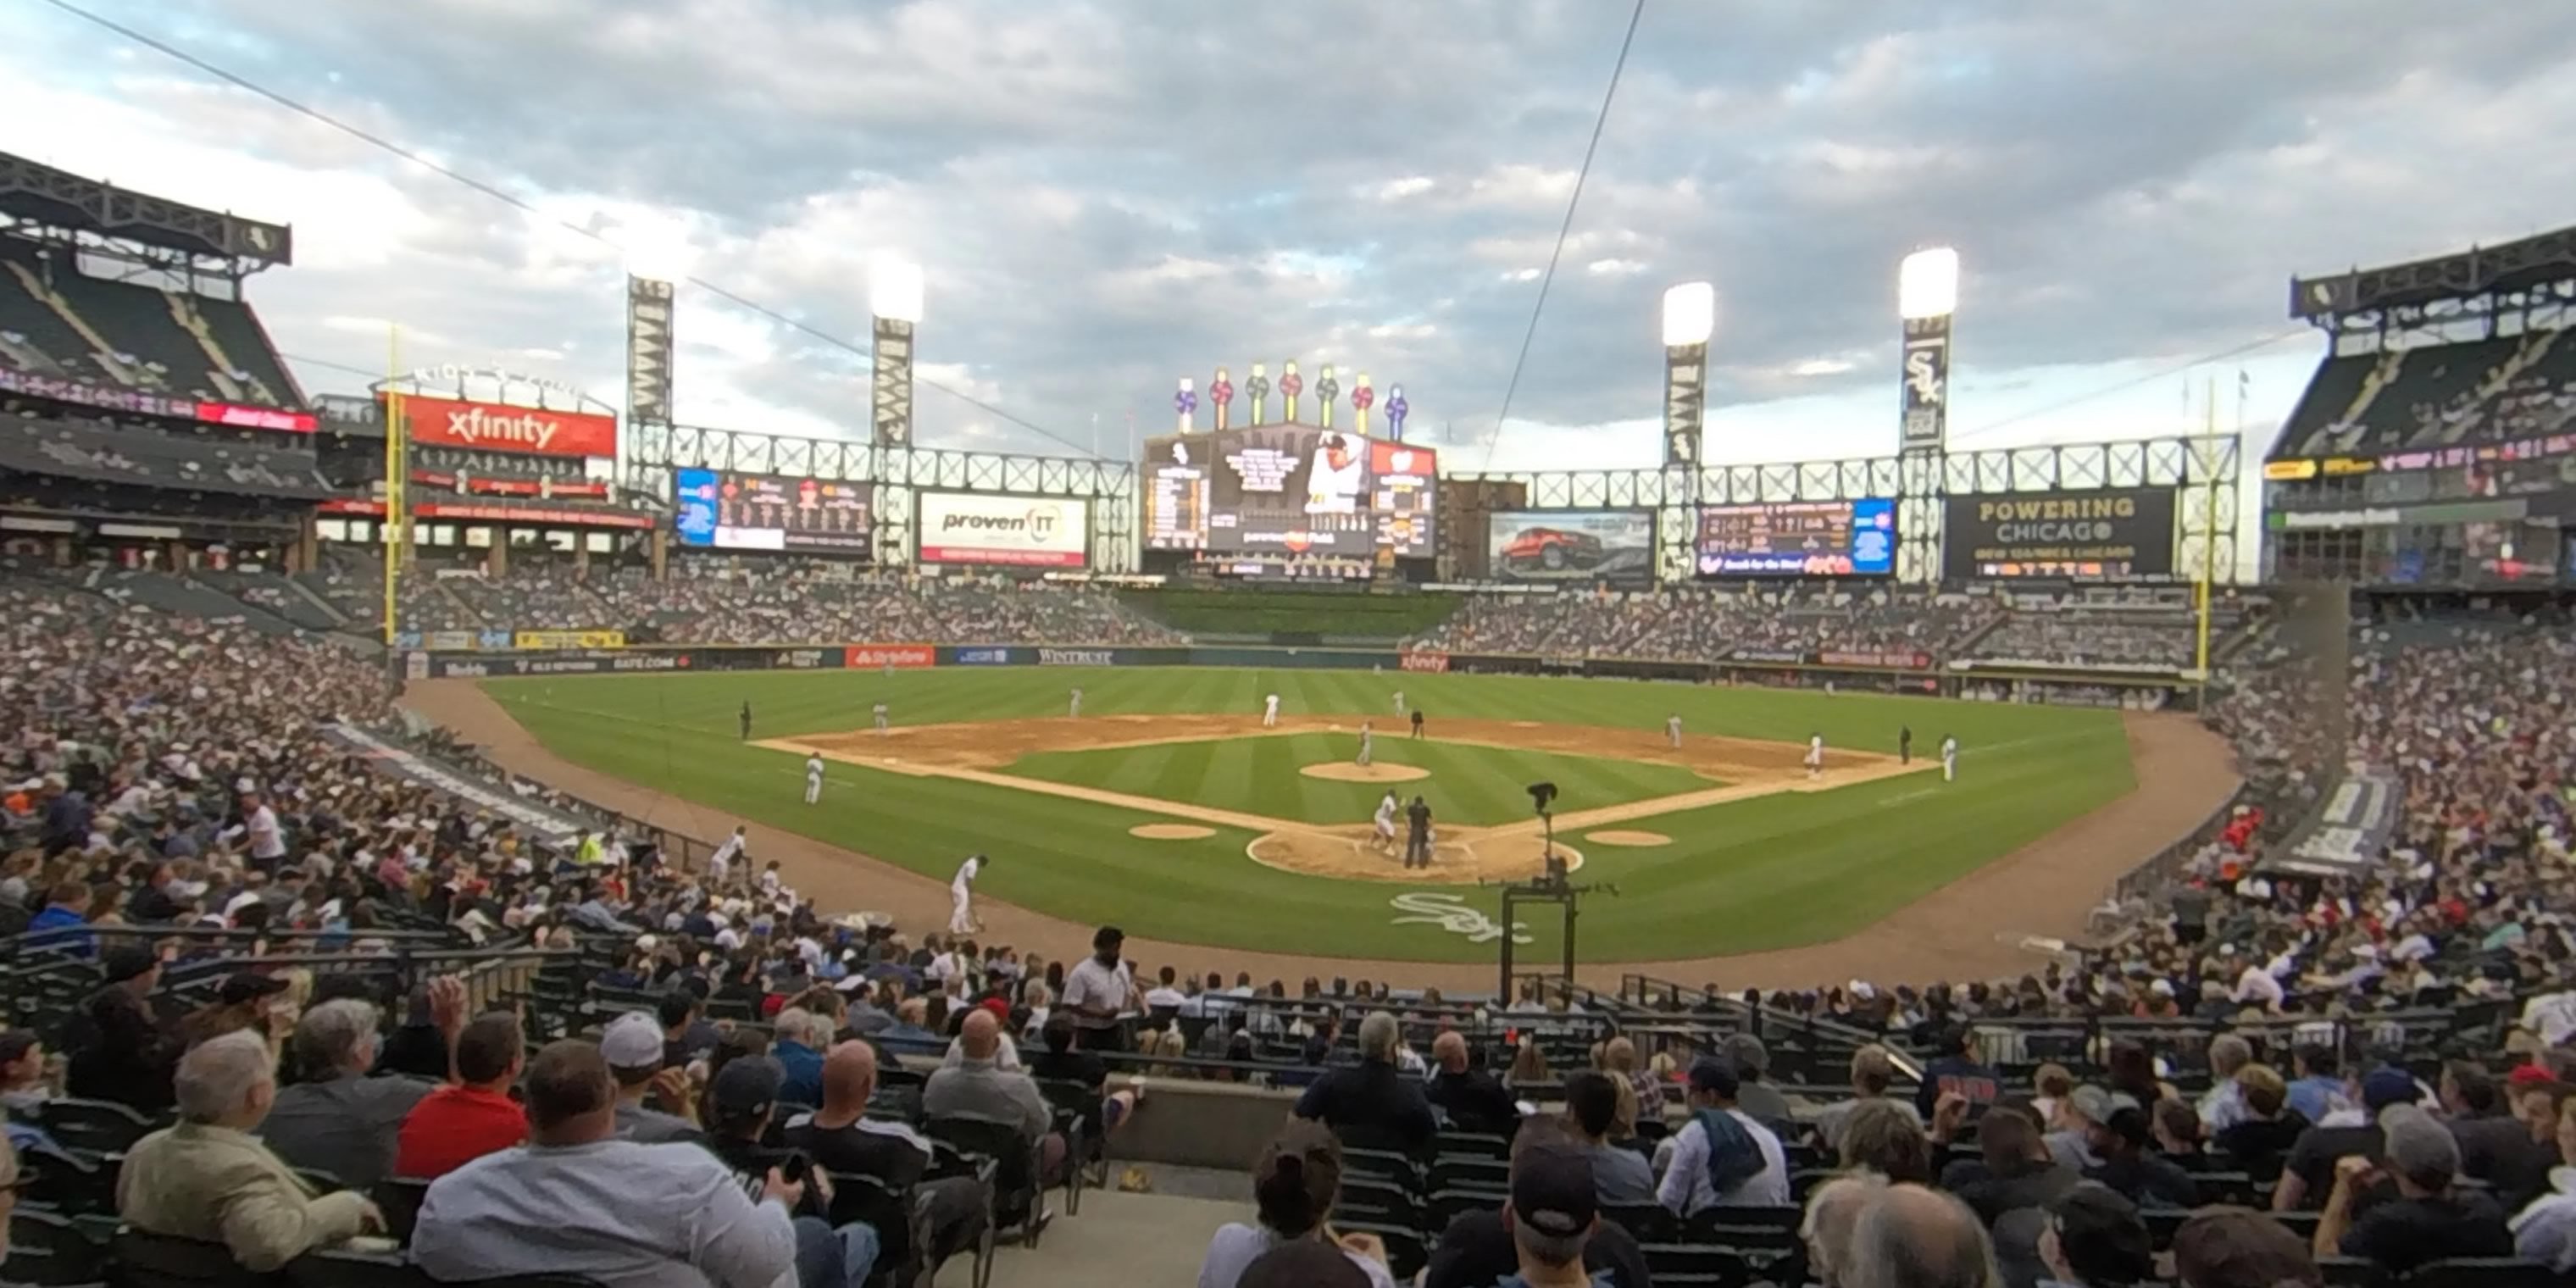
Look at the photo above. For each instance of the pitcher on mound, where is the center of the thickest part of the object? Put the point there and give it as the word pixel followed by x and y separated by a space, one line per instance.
pixel 1368 742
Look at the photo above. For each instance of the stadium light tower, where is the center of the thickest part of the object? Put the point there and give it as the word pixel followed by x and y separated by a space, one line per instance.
pixel 894 297
pixel 654 270
pixel 1690 318
pixel 1927 294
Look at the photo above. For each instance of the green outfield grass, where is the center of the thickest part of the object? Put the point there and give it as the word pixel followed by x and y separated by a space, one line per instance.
pixel 1478 786
pixel 1771 872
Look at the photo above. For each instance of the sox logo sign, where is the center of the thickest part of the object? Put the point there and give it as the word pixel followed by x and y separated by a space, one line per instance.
pixel 1451 913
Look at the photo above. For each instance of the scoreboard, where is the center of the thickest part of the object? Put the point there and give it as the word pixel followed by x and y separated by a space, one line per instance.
pixel 1799 539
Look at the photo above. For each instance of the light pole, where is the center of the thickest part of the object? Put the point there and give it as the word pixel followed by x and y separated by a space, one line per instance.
pixel 894 298
pixel 1927 294
pixel 1690 318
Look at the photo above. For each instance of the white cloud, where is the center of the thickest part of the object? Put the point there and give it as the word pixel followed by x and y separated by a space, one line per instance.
pixel 1615 267
pixel 1412 185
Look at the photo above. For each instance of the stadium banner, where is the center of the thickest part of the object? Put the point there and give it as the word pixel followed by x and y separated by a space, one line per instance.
pixel 989 528
pixel 492 641
pixel 554 827
pixel 533 641
pixel 1876 659
pixel 898 657
pixel 112 398
pixel 1426 663
pixel 1855 538
pixel 2104 533
pixel 1614 546
pixel 1620 668
pixel 987 655
pixel 1784 656
pixel 2347 836
pixel 1926 395
pixel 1288 491
pixel 500 427
pixel 734 510
pixel 1292 658
pixel 407 639
pixel 1077 657
pixel 449 641
pixel 806 659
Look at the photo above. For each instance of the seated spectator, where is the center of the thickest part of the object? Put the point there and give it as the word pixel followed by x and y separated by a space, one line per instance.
pixel 976 1087
pixel 2265 1128
pixel 800 1037
pixel 1470 1096
pixel 635 1048
pixel 457 1124
pixel 1752 1094
pixel 1911 1237
pixel 119 1049
pixel 2237 1248
pixel 1371 1096
pixel 2080 1115
pixel 1061 1062
pixel 1826 1228
pixel 578 1201
pixel 845 1142
pixel 208 1178
pixel 2429 1220
pixel 1956 1071
pixel 1873 1068
pixel 25 1084
pixel 1592 1105
pixel 2095 1239
pixel 2545 1231
pixel 1293 1187
pixel 2223 1106
pixel 2014 1171
pixel 2318 1088
pixel 2176 1128
pixel 1721 1157
pixel 2129 1166
pixel 1881 1137
pixel 2494 1148
pixel 1553 1214
pixel 344 1123
pixel 245 1000
pixel 2309 1172
pixel 1477 1249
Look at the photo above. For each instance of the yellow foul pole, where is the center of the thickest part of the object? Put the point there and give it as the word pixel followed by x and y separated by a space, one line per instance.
pixel 2209 524
pixel 396 517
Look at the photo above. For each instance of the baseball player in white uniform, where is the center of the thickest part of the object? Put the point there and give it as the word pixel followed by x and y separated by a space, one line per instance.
pixel 1270 712
pixel 1673 730
pixel 881 717
pixel 1949 758
pixel 1386 823
pixel 961 896
pixel 1077 703
pixel 1815 755
pixel 1399 702
pixel 813 779
pixel 721 862
pixel 1368 741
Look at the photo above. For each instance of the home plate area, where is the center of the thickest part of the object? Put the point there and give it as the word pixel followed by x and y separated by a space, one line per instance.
pixel 1459 856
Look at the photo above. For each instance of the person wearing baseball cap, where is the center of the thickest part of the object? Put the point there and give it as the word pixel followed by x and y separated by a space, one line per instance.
pixel 121 1050
pixel 2308 1175
pixel 1482 1245
pixel 637 1056
pixel 1722 1157
pixel 1553 1213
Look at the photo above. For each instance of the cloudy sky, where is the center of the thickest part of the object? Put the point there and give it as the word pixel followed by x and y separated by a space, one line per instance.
pixel 1107 196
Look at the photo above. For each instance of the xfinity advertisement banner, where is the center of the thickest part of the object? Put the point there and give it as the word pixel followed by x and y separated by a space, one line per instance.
pixel 1616 546
pixel 1014 531
pixel 2110 533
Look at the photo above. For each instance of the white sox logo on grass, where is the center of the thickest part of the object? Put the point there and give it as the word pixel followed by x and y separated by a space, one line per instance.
pixel 1451 913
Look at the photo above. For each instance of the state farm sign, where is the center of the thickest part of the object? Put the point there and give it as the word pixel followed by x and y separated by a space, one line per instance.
pixel 498 427
pixel 1022 531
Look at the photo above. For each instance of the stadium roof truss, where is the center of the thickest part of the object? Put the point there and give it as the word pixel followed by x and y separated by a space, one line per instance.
pixel 41 202
pixel 2474 293
pixel 899 472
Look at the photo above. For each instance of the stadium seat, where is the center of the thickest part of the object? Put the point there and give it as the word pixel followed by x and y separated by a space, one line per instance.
pixel 1646 1222
pixel 47 1250
pixel 2481 1272
pixel 1019 1198
pixel 147 1260
pixel 2352 1272
pixel 399 1198
pixel 903 1230
pixel 1406 1254
pixel 100 1126
pixel 1695 1265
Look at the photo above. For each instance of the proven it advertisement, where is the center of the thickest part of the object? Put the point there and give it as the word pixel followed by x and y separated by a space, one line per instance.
pixel 1014 531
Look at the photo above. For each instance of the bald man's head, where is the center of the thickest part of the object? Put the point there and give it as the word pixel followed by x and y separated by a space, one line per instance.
pixel 849 1078
pixel 1449 1050
pixel 981 1036
pixel 1911 1237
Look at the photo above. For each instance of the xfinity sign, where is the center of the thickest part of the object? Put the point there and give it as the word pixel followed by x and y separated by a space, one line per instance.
pixel 1014 531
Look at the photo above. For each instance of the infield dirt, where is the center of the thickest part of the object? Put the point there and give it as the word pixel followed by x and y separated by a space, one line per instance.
pixel 1965 930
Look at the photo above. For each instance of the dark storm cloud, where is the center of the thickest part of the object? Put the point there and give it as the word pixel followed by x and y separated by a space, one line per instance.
pixel 1111 195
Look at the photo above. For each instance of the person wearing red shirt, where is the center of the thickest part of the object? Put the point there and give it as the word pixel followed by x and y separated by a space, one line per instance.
pixel 474 1115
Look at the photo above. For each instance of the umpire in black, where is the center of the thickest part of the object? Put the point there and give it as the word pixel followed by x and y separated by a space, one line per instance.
pixel 1417 840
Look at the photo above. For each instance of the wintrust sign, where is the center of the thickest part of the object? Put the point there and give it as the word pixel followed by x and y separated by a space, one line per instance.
pixel 497 427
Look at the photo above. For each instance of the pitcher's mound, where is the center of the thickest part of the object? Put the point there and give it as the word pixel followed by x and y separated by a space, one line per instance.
pixel 1343 771
pixel 1617 837
pixel 1170 831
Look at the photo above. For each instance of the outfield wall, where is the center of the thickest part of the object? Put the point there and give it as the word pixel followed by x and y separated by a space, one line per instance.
pixel 1875 672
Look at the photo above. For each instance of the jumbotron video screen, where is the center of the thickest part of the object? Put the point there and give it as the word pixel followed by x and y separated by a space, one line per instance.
pixel 1799 539
pixel 1291 491
pixel 734 510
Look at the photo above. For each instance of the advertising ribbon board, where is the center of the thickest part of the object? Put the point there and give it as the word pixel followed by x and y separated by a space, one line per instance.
pixel 532 641
pixel 1077 657
pixel 1016 531
pixel 500 427
pixel 900 657
pixel 2106 533
pixel 1427 663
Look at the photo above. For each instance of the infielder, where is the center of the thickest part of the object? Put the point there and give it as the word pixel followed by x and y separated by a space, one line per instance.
pixel 1949 758
pixel 1077 703
pixel 813 779
pixel 881 717
pixel 1815 755
pixel 961 896
pixel 1386 822
pixel 1270 712
pixel 746 722
pixel 1368 741
pixel 721 862
pixel 1399 702
pixel 1673 730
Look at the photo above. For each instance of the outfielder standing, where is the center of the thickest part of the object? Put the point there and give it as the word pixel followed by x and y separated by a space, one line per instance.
pixel 746 721
pixel 1949 758
pixel 1673 730
pixel 1077 703
pixel 961 896
pixel 1815 755
pixel 1399 702
pixel 1368 741
pixel 881 717
pixel 813 779
pixel 1270 712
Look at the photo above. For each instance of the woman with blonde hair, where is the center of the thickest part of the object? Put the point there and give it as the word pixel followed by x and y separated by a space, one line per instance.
pixel 1529 1065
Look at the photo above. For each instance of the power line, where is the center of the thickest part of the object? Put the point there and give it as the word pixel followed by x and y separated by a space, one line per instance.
pixel 497 194
pixel 2151 377
pixel 1573 201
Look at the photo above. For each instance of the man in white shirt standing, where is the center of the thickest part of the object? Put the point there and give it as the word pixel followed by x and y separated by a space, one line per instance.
pixel 880 712
pixel 1748 1156
pixel 1076 713
pixel 1368 742
pixel 1385 823
pixel 1815 755
pixel 813 778
pixel 1270 712
pixel 1673 730
pixel 2256 987
pixel 1399 702
pixel 1098 990
pixel 267 840
pixel 720 864
pixel 961 896
pixel 1949 758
